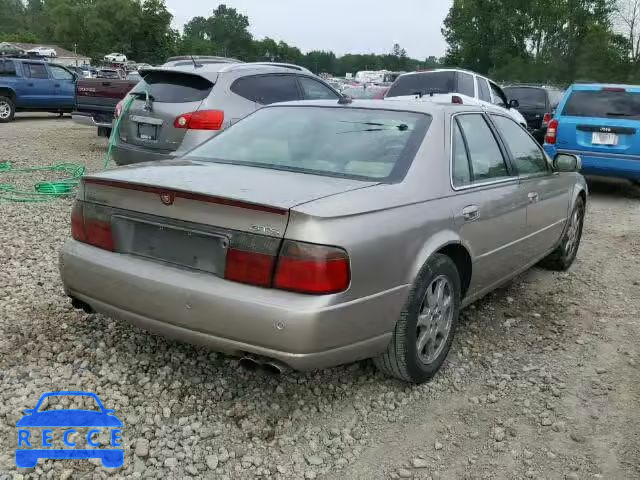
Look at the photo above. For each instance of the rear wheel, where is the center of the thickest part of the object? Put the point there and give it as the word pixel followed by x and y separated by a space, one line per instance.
pixel 7 109
pixel 424 333
pixel 562 257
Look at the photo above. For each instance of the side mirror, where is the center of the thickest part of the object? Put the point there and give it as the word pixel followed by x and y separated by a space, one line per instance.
pixel 513 103
pixel 566 162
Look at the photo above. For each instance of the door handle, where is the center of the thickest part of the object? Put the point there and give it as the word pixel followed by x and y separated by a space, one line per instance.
pixel 470 213
pixel 533 197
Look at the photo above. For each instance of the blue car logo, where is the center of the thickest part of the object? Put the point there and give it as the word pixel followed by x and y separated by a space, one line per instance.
pixel 37 437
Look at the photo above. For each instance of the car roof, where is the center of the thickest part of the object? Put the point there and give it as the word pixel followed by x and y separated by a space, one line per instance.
pixel 434 70
pixel 399 105
pixel 600 86
pixel 212 70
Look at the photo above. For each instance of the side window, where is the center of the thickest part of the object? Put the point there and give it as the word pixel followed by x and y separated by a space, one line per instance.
pixel 267 89
pixel 314 90
pixel 7 68
pixel 35 70
pixel 465 84
pixel 483 90
pixel 487 162
pixel 498 96
pixel 526 154
pixel 461 174
pixel 60 73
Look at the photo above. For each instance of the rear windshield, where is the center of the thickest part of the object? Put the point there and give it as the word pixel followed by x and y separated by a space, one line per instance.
pixel 343 142
pixel 603 104
pixel 174 87
pixel 436 82
pixel 527 97
pixel 363 93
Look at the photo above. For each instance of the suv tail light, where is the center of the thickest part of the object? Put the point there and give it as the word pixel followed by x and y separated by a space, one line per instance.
pixel 200 120
pixel 118 110
pixel 546 119
pixel 552 132
pixel 457 100
pixel 91 224
pixel 308 268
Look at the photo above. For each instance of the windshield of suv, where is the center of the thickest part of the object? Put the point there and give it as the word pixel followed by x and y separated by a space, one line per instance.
pixel 527 97
pixel 412 84
pixel 603 104
pixel 345 142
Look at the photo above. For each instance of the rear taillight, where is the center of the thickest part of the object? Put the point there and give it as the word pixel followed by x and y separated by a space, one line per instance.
pixel 249 267
pixel 118 110
pixel 92 224
pixel 552 132
pixel 457 100
pixel 308 268
pixel 546 119
pixel 200 120
pixel 300 267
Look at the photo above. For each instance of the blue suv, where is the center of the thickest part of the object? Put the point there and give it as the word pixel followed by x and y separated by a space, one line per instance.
pixel 601 123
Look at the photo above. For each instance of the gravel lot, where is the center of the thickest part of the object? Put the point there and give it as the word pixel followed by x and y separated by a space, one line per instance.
pixel 543 380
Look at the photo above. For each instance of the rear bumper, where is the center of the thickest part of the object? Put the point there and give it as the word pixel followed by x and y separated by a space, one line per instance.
pixel 609 165
pixel 302 331
pixel 125 154
pixel 88 120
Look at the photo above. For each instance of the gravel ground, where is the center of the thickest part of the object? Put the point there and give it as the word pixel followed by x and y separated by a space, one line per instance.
pixel 542 380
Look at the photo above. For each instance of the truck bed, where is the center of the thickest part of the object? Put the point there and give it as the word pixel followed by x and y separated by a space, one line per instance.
pixel 96 100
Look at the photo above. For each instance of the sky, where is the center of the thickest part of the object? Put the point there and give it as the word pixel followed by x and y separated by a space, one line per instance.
pixel 342 26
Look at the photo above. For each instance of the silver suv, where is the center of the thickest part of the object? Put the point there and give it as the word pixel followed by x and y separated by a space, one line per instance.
pixel 177 108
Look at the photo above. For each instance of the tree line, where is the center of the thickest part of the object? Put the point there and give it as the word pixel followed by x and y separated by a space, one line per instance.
pixel 546 41
pixel 142 30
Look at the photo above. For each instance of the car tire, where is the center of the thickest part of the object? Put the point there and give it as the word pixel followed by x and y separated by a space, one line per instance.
pixel 423 315
pixel 563 256
pixel 7 109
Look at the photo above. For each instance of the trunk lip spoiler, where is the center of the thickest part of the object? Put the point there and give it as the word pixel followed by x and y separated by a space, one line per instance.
pixel 176 193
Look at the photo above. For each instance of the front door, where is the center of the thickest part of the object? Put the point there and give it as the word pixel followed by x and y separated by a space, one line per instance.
pixel 64 86
pixel 489 209
pixel 548 194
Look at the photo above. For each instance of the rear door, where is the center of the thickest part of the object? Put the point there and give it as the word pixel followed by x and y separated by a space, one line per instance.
pixel 38 86
pixel 489 207
pixel 160 98
pixel 548 194
pixel 64 86
pixel 602 119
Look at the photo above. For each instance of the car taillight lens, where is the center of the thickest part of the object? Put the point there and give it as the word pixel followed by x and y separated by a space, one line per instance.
pixel 457 100
pixel 309 268
pixel 200 120
pixel 118 110
pixel 546 119
pixel 91 224
pixel 552 132
pixel 249 267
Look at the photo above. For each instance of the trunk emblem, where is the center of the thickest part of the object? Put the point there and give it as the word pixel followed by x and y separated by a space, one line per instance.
pixel 167 198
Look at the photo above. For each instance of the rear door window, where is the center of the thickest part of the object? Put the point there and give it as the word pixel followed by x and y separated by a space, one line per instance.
pixel 7 68
pixel 487 162
pixel 461 174
pixel 267 89
pixel 483 90
pixel 423 83
pixel 35 70
pixel 314 90
pixel 603 104
pixel 174 87
pixel 465 84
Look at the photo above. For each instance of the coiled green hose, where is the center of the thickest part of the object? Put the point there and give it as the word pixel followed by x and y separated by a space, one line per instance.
pixel 43 191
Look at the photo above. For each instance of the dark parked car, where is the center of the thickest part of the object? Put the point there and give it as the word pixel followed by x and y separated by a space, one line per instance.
pixel 537 104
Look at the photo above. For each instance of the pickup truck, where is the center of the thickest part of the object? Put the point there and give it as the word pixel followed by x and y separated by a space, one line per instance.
pixel 34 86
pixel 96 100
